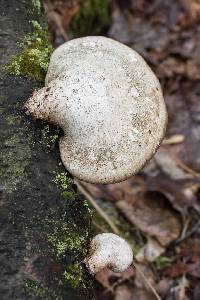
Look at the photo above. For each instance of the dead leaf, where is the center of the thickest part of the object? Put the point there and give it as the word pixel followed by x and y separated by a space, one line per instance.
pixel 182 268
pixel 194 9
pixel 193 69
pixel 171 67
pixel 181 289
pixel 113 192
pixel 174 139
pixel 139 282
pixel 179 193
pixel 150 251
pixel 108 279
pixel 169 166
pixel 142 294
pixel 152 219
pixel 59 15
pixel 123 292
pixel 196 290
pixel 184 99
pixel 191 251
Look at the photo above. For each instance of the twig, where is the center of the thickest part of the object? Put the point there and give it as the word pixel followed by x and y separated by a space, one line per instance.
pixel 115 230
pixel 173 140
pixel 97 226
pixel 189 170
pixel 191 232
pixel 146 280
pixel 97 207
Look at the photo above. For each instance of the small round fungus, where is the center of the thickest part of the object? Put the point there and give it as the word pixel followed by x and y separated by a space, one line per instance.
pixel 109 104
pixel 108 250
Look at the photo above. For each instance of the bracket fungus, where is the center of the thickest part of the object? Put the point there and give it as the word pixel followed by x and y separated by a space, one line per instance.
pixel 108 250
pixel 109 104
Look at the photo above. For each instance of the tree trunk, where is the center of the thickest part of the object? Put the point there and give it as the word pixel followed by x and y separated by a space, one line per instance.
pixel 43 225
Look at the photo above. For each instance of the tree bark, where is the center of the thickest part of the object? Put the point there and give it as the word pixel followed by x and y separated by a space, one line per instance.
pixel 35 218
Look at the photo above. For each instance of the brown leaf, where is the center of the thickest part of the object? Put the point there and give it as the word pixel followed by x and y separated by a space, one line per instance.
pixel 174 139
pixel 191 251
pixel 139 282
pixel 171 67
pixel 174 270
pixel 184 99
pixel 194 9
pixel 123 292
pixel 142 294
pixel 182 268
pixel 59 15
pixel 150 251
pixel 114 192
pixel 108 278
pixel 196 291
pixel 179 193
pixel 152 219
pixel 193 69
pixel 168 165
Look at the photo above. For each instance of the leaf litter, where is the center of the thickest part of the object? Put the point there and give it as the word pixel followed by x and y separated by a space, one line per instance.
pixel 161 205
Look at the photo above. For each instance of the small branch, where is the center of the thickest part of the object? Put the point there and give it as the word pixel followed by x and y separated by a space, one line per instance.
pixel 146 281
pixel 97 226
pixel 187 169
pixel 189 233
pixel 115 230
pixel 102 213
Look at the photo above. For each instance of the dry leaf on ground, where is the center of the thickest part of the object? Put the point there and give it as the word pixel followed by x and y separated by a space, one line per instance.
pixel 108 279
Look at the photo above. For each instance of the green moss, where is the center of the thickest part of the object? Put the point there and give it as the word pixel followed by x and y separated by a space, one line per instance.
pixel 35 290
pixel 92 18
pixel 33 60
pixel 75 276
pixel 36 5
pixel 67 238
pixel 36 49
pixel 161 262
pixel 64 236
pixel 62 180
pixel 15 156
pixel 50 136
pixel 86 205
pixel 67 194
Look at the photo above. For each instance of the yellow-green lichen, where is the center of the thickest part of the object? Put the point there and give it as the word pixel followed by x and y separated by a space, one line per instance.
pixel 67 194
pixel 161 262
pixel 62 180
pixel 75 276
pixel 36 5
pixel 93 18
pixel 67 238
pixel 15 156
pixel 33 60
pixel 35 290
pixel 64 236
pixel 50 136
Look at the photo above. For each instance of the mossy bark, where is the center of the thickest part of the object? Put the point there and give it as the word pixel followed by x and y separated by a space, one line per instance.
pixel 44 224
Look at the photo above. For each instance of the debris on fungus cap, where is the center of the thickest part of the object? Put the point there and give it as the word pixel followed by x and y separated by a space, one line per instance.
pixel 109 104
pixel 108 250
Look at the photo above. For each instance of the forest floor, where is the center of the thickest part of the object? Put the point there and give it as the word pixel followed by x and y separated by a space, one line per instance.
pixel 158 210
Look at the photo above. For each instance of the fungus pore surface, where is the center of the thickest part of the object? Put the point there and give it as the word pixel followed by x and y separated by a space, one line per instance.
pixel 109 104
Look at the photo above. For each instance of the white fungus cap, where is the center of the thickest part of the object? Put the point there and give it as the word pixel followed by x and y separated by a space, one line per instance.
pixel 108 250
pixel 109 104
